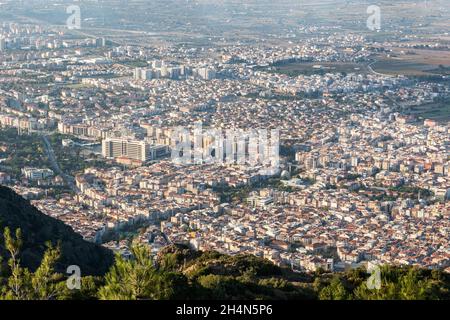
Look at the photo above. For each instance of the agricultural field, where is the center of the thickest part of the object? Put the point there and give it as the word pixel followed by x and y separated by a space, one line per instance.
pixel 414 62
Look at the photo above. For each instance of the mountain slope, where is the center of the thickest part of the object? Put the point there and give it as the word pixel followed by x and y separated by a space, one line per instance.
pixel 38 229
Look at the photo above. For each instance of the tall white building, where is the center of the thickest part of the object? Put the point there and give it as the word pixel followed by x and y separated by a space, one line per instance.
pixel 206 73
pixel 131 149
pixel 2 44
pixel 142 74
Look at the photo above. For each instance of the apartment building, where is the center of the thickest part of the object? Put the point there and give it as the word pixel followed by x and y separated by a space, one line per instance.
pixel 132 149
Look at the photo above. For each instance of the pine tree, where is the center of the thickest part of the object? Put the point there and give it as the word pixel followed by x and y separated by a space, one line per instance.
pixel 334 291
pixel 130 279
pixel 45 281
pixel 19 283
pixel 43 284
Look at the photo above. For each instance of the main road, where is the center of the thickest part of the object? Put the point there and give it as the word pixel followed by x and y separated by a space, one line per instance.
pixel 68 179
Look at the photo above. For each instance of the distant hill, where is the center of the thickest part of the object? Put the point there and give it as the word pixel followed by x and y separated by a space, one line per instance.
pixel 38 229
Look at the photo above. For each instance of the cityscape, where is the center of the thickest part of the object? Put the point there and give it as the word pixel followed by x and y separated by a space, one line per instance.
pixel 314 136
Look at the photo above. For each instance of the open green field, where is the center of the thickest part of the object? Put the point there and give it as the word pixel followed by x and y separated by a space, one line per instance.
pixel 439 111
pixel 311 68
